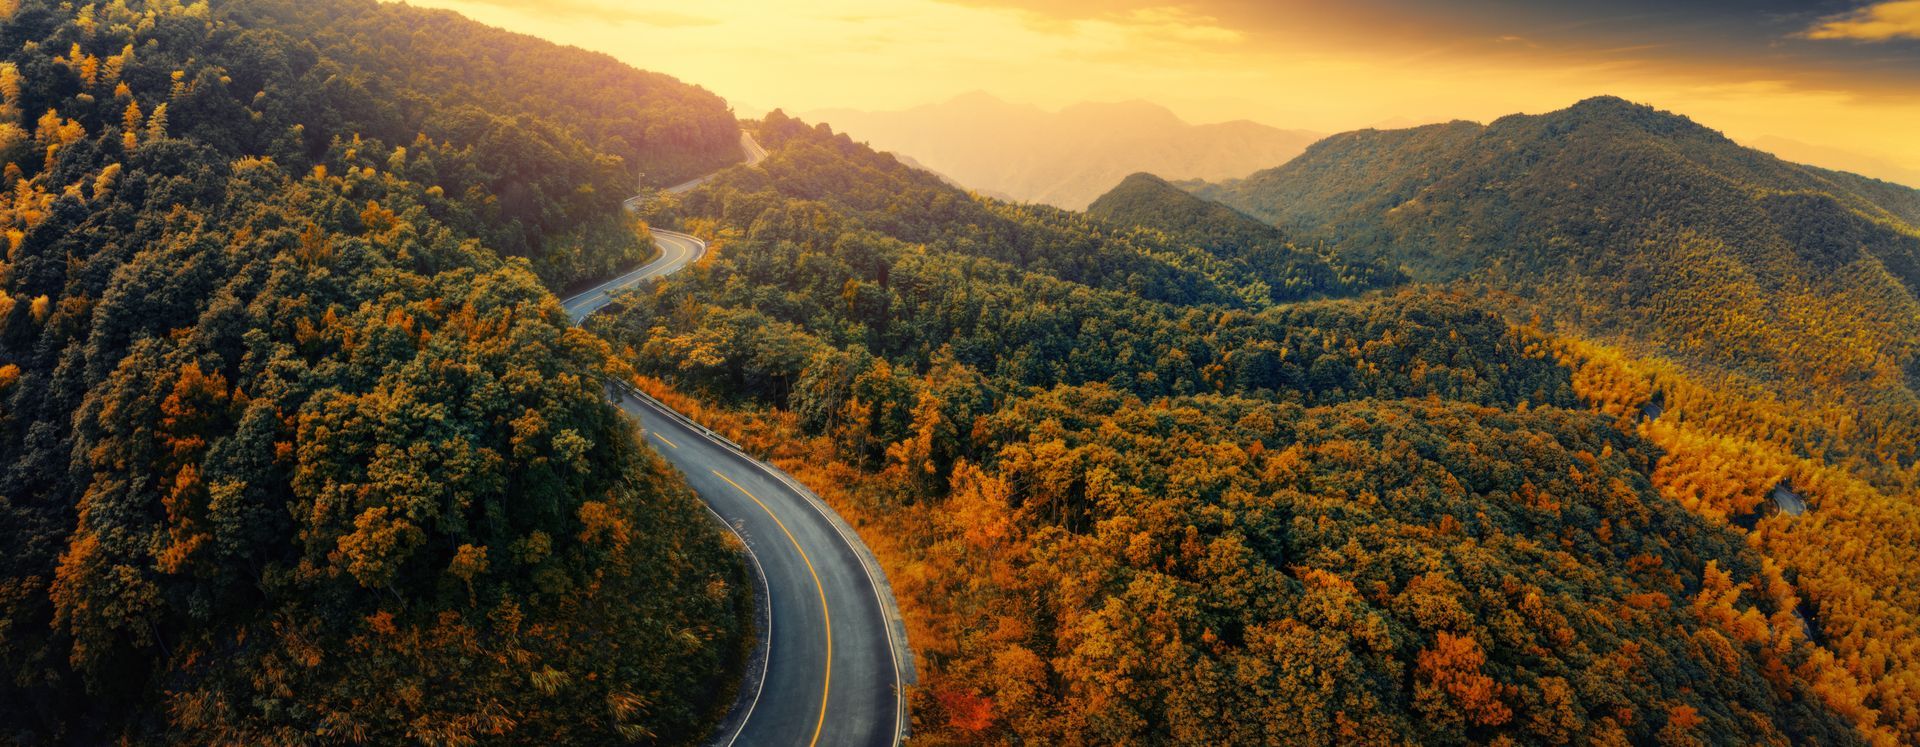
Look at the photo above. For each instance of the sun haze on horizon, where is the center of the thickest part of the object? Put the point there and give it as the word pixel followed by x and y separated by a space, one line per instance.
pixel 1828 83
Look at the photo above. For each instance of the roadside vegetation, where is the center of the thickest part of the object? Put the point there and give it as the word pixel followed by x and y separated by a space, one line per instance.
pixel 295 444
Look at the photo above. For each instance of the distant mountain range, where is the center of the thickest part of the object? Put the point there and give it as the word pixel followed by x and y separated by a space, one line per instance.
pixel 1865 164
pixel 1633 220
pixel 1069 157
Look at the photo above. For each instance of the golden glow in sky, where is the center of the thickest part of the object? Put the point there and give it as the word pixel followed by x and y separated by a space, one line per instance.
pixel 1899 19
pixel 1838 88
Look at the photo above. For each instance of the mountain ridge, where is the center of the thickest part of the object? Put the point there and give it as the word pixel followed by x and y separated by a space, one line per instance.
pixel 1621 205
pixel 1147 201
pixel 1335 189
pixel 1759 319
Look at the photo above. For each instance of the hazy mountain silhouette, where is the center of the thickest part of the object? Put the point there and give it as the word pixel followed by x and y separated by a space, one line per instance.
pixel 1866 164
pixel 1069 157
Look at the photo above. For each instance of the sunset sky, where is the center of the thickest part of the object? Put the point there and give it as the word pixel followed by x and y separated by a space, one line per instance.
pixel 1834 83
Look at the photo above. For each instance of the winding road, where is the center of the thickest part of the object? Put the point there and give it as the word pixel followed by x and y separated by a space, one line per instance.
pixel 677 250
pixel 832 661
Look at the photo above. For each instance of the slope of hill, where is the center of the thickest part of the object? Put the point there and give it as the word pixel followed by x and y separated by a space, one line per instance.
pixel 1398 193
pixel 665 131
pixel 888 196
pixel 1636 220
pixel 1184 516
pixel 1768 312
pixel 1147 201
pixel 291 450
pixel 566 132
pixel 1069 157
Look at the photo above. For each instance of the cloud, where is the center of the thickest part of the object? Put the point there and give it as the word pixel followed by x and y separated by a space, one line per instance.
pixel 1179 25
pixel 1879 22
pixel 591 10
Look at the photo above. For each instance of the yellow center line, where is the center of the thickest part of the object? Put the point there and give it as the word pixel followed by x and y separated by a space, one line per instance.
pixel 827 686
pixel 663 439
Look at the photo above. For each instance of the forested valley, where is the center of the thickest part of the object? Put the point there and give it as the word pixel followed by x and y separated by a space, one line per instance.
pixel 1160 473
pixel 295 443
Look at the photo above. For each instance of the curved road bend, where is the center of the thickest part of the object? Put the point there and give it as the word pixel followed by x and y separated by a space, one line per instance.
pixel 830 676
pixel 677 250
pixel 835 650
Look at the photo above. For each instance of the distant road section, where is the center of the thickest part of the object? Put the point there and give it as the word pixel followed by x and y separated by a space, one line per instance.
pixel 677 250
pixel 749 148
pixel 832 661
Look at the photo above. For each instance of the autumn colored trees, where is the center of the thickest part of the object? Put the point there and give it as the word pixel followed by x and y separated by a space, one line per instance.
pixel 1758 321
pixel 290 450
pixel 1154 507
pixel 1850 558
pixel 296 446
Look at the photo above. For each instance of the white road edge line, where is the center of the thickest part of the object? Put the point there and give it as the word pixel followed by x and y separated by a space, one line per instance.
pixel 873 584
pixel 759 571
pixel 766 655
pixel 815 502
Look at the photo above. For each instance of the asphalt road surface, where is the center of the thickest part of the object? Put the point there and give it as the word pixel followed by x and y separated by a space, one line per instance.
pixel 677 250
pixel 830 668
pixel 832 655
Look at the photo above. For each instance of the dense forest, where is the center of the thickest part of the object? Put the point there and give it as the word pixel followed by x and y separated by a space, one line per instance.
pixel 1590 426
pixel 1147 201
pixel 1768 312
pixel 295 443
pixel 1128 493
pixel 1618 219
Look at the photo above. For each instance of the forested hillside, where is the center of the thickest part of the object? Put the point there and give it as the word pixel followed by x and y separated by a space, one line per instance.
pixel 665 131
pixel 1628 220
pixel 1766 314
pixel 295 446
pixel 1147 201
pixel 532 146
pixel 1145 505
